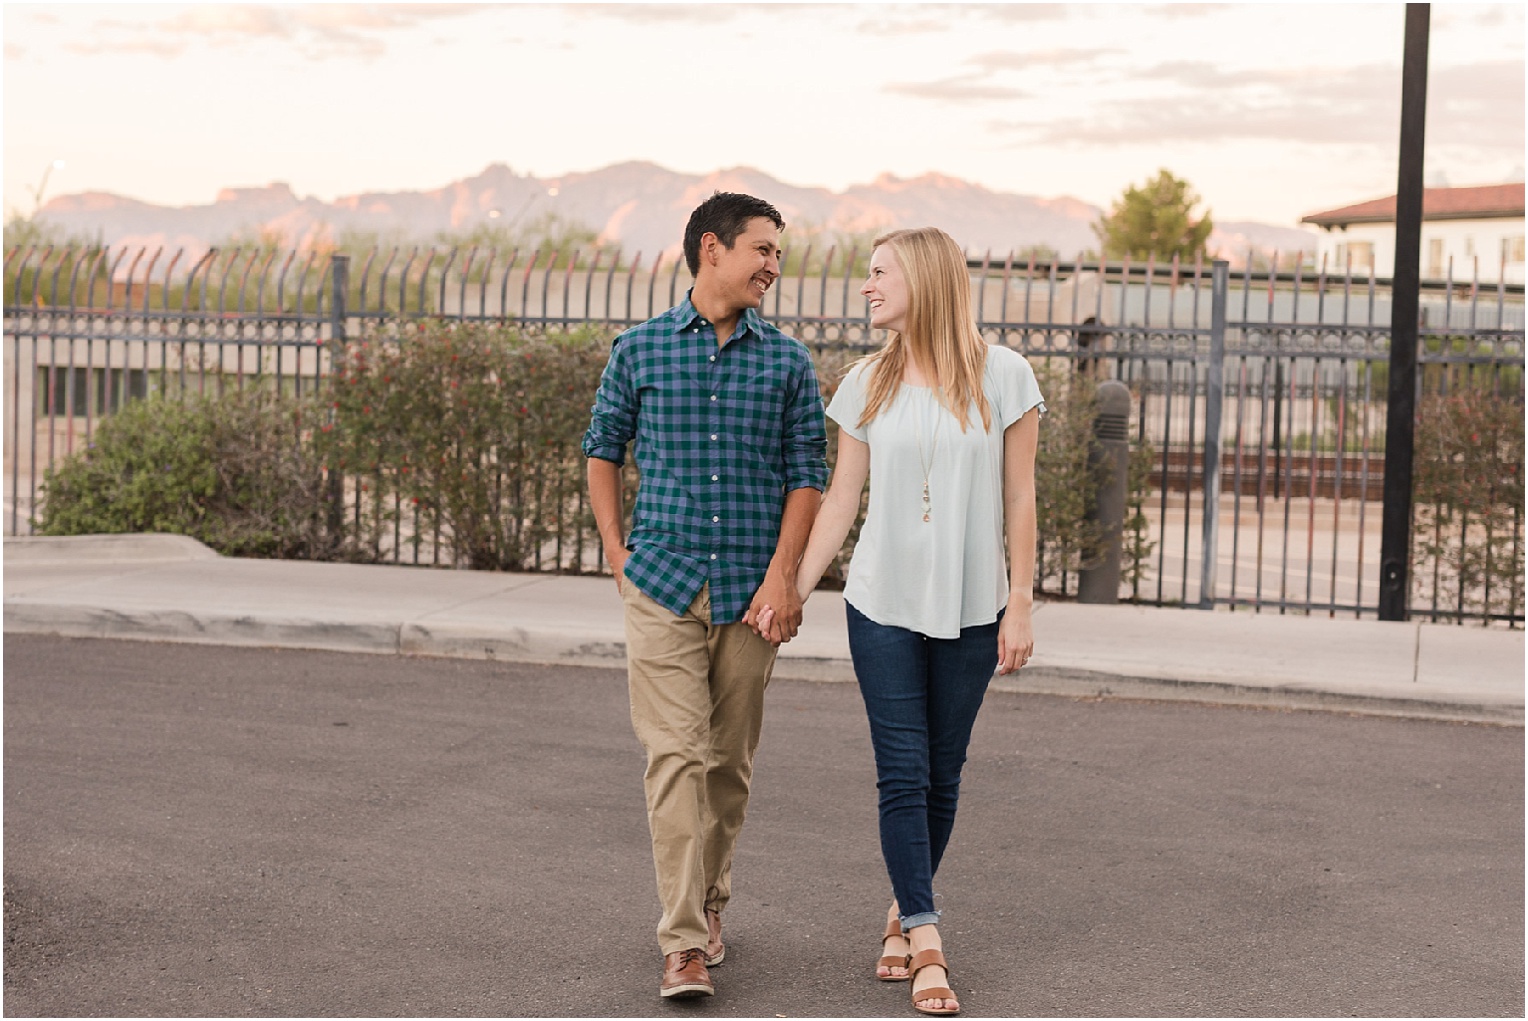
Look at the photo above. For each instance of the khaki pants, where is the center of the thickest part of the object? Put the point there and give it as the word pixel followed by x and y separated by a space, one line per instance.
pixel 697 703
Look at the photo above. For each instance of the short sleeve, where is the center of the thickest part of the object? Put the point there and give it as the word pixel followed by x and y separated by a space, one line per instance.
pixel 849 403
pixel 1015 389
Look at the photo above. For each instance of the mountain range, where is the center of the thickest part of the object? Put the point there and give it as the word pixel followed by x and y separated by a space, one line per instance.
pixel 636 205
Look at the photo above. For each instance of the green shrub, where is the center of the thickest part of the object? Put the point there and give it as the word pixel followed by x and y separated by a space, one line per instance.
pixel 462 438
pixel 232 470
pixel 1135 557
pixel 470 432
pixel 1067 479
pixel 1467 486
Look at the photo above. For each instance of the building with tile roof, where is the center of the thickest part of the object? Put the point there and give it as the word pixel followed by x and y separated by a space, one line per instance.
pixel 1468 234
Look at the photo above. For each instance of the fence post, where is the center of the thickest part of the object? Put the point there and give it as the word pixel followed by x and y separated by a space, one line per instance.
pixel 339 282
pixel 1400 408
pixel 1214 407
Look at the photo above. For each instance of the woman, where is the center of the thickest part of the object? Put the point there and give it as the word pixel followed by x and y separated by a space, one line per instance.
pixel 946 426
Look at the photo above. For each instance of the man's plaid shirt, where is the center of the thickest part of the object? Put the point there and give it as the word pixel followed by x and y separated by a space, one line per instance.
pixel 722 434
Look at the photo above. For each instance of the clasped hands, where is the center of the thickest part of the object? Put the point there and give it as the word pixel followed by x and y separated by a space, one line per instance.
pixel 775 613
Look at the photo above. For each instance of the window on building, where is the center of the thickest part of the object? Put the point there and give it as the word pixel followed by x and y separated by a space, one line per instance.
pixel 1434 258
pixel 78 390
pixel 1512 250
pixel 1360 252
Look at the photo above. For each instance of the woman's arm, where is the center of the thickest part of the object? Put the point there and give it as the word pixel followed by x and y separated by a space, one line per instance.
pixel 836 516
pixel 1015 639
pixel 834 519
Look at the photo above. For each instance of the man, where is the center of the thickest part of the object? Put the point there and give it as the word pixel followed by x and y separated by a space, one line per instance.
pixel 730 446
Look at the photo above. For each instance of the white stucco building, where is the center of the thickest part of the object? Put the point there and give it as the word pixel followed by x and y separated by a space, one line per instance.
pixel 1465 231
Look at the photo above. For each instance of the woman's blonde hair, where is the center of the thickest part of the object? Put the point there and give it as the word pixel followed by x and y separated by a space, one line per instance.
pixel 941 328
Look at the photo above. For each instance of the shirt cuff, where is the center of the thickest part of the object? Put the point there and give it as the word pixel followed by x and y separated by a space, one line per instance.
pixel 615 452
pixel 808 478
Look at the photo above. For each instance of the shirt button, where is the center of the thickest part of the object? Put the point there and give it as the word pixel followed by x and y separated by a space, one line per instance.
pixel 716 478
pixel 713 556
pixel 713 397
pixel 712 358
pixel 713 436
pixel 714 518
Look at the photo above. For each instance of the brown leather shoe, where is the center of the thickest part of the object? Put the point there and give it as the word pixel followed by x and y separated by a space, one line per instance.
pixel 684 975
pixel 716 950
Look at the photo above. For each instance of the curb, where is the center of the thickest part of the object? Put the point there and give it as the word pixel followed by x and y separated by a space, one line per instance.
pixel 1086 684
pixel 572 647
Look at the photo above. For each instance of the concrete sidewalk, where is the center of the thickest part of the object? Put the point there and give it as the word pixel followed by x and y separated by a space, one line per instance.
pixel 170 588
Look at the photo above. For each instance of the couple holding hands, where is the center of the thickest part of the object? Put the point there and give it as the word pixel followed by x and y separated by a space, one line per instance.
pixel 731 533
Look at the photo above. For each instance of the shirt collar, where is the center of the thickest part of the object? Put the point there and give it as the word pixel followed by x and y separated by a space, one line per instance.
pixel 685 315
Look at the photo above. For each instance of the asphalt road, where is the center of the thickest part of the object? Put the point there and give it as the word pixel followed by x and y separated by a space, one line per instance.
pixel 195 830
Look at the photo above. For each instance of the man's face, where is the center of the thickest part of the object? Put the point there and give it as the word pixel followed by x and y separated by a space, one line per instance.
pixel 744 272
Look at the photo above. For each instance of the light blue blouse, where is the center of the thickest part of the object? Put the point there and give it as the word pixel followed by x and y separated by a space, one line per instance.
pixel 937 576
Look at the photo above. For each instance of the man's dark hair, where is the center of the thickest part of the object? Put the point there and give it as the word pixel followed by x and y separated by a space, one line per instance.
pixel 725 214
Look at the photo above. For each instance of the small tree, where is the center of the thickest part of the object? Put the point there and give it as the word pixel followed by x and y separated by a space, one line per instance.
pixel 1155 219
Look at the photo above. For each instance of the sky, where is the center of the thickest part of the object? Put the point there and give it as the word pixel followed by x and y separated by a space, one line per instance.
pixel 1269 111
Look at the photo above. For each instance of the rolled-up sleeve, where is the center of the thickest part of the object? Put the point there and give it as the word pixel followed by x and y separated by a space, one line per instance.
pixel 613 418
pixel 805 441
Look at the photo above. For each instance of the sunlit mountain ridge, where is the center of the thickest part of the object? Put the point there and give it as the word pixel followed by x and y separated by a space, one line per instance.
pixel 637 206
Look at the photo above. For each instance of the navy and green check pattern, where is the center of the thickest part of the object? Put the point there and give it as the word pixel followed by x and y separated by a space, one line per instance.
pixel 722 434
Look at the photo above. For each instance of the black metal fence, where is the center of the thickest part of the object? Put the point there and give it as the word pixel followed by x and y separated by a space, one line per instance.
pixel 1261 395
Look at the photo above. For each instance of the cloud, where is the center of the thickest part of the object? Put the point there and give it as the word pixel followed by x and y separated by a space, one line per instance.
pixel 1015 60
pixel 139 43
pixel 1021 11
pixel 662 14
pixel 1183 10
pixel 317 30
pixel 1202 75
pixel 894 27
pixel 1479 106
pixel 949 90
pixel 981 84
pixel 1449 16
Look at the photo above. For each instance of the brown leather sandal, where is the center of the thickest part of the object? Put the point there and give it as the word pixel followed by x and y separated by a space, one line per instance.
pixel 893 928
pixel 927 959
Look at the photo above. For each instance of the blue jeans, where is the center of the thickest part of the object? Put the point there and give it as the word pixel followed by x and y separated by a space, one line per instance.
pixel 921 695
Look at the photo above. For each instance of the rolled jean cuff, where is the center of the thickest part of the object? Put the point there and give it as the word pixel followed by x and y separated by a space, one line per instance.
pixel 921 918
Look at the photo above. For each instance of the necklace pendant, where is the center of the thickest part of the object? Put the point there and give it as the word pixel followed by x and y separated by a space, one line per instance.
pixel 925 515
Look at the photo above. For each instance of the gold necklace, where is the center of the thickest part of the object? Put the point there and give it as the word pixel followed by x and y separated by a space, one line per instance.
pixel 927 464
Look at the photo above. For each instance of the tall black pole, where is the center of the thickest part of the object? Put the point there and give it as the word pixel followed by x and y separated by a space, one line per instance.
pixel 1400 416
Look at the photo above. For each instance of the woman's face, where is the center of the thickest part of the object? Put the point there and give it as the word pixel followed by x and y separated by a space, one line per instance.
pixel 887 291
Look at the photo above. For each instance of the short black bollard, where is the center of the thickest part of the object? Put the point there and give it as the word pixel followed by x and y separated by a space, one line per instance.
pixel 1099 582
